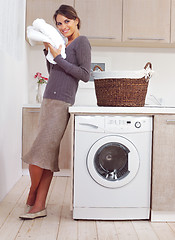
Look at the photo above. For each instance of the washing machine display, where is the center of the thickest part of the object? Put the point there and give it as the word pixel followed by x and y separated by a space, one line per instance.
pixel 113 161
pixel 112 167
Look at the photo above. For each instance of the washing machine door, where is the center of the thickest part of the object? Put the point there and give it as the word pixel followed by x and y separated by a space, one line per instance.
pixel 113 161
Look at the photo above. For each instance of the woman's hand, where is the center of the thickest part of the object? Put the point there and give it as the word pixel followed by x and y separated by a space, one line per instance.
pixel 46 45
pixel 54 51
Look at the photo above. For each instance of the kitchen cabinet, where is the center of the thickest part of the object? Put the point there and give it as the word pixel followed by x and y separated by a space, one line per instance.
pixel 173 21
pixel 163 183
pixel 100 19
pixel 115 22
pixel 146 21
pixel 29 131
pixel 43 9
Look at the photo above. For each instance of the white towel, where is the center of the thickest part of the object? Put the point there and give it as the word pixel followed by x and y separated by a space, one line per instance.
pixel 40 31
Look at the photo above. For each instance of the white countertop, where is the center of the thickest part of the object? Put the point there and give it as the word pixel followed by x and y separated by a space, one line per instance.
pixel 148 110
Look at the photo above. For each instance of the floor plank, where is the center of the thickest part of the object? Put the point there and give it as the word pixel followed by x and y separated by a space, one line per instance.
pixel 11 199
pixel 163 231
pixel 125 230
pixel 68 226
pixel 12 224
pixel 106 230
pixel 172 225
pixel 87 230
pixel 144 230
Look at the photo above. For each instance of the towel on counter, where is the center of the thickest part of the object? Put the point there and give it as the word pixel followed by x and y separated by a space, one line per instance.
pixel 40 31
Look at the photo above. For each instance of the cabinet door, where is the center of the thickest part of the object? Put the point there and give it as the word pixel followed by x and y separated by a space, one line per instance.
pixel 29 131
pixel 43 9
pixel 146 21
pixel 173 22
pixel 163 180
pixel 100 19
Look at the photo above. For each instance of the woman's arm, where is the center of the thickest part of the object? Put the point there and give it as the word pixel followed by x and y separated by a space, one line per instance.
pixel 48 64
pixel 47 45
pixel 83 55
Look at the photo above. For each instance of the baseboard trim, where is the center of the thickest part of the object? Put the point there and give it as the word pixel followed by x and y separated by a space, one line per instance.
pixel 61 173
pixel 162 216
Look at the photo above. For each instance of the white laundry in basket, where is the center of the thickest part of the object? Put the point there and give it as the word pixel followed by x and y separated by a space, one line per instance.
pixel 147 73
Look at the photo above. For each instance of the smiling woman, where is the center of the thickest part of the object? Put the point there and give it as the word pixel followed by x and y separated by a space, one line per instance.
pixel 67 22
pixel 64 77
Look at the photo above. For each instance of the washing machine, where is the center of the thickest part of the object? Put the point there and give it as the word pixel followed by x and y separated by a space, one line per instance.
pixel 112 167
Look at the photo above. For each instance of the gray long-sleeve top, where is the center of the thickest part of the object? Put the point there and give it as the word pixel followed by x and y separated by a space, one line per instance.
pixel 64 76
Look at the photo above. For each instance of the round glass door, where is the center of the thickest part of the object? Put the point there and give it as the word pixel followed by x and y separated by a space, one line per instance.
pixel 113 161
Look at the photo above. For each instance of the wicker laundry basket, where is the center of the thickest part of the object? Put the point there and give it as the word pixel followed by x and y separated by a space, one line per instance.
pixel 120 91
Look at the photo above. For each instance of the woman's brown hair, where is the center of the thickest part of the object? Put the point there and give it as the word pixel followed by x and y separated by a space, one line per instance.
pixel 67 11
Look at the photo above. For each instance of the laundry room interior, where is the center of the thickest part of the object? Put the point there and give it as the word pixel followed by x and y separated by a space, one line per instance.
pixel 100 198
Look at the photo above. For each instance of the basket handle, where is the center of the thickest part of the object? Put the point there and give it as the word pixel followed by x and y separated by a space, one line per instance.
pixel 148 65
pixel 149 72
pixel 97 66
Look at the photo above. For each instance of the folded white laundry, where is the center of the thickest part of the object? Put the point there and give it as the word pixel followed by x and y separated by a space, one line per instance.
pixel 40 31
pixel 147 73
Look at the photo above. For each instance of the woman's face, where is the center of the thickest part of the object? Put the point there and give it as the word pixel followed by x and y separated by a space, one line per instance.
pixel 68 27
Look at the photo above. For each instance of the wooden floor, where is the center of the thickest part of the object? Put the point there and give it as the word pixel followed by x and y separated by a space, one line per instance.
pixel 59 225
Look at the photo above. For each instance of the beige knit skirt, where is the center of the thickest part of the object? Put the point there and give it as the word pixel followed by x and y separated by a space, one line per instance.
pixel 53 120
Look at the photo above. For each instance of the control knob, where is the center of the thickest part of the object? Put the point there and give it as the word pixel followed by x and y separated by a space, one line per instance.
pixel 138 124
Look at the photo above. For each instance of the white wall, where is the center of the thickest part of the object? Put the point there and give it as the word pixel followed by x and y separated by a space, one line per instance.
pixel 162 84
pixel 13 76
pixel 37 63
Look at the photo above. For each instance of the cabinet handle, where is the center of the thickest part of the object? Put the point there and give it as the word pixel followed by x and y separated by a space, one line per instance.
pixel 140 38
pixel 33 111
pixel 170 121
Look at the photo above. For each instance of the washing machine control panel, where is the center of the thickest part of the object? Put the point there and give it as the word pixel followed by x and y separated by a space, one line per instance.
pixel 113 123
pixel 127 124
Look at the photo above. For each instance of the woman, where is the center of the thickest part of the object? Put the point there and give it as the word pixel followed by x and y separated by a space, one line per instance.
pixel 59 95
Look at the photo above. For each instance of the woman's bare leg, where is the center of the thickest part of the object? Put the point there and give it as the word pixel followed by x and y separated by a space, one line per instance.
pixel 42 191
pixel 35 175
